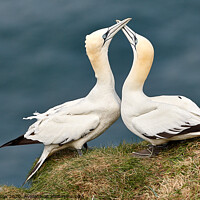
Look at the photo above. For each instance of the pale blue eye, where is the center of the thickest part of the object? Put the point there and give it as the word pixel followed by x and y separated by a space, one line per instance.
pixel 105 35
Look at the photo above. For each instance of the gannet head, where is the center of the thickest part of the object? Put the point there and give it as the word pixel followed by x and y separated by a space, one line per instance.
pixel 99 40
pixel 141 46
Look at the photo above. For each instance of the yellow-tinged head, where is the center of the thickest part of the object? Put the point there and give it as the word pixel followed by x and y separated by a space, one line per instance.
pixel 140 45
pixel 144 48
pixel 95 42
pixel 98 41
pixel 143 59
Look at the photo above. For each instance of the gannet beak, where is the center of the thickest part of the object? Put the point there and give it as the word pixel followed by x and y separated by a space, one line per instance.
pixel 130 34
pixel 114 29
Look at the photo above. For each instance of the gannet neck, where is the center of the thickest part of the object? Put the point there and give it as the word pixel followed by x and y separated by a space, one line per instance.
pixel 100 63
pixel 97 44
pixel 143 59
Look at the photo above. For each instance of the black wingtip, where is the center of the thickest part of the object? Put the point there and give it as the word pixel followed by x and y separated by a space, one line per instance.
pixel 21 140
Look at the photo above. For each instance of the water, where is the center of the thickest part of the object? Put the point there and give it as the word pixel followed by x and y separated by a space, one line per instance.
pixel 43 61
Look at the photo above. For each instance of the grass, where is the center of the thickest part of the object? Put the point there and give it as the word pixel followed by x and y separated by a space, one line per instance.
pixel 112 173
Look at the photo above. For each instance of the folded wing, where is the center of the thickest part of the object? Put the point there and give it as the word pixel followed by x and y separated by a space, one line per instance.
pixel 61 129
pixel 166 121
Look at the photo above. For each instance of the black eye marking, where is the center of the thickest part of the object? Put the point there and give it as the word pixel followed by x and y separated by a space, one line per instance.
pixel 105 35
pixel 136 40
pixel 179 97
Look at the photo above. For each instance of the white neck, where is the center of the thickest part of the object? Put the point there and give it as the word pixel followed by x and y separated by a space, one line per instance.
pixel 143 59
pixel 101 67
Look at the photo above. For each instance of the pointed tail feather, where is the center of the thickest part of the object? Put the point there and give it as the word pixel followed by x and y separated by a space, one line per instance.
pixel 20 141
pixel 47 150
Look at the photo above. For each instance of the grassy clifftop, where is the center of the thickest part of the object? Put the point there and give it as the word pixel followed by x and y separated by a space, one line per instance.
pixel 112 173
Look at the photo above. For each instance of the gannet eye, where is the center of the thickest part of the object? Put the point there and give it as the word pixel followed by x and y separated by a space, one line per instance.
pixel 105 35
pixel 136 40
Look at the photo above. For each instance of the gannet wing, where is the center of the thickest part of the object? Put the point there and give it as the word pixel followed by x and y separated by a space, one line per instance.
pixel 180 101
pixel 166 121
pixel 61 129
pixel 56 109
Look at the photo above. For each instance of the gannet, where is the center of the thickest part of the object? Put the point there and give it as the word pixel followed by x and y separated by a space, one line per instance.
pixel 74 123
pixel 159 119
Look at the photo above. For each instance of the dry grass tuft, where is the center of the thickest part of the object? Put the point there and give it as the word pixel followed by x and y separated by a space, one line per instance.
pixel 112 173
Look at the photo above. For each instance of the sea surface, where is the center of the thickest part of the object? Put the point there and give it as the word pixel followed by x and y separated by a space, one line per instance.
pixel 43 62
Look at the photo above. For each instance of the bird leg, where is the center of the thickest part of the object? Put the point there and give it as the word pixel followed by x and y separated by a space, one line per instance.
pixel 79 152
pixel 150 152
pixel 85 146
pixel 144 153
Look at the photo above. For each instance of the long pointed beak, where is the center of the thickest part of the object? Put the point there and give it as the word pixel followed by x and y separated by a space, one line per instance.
pixel 115 28
pixel 130 34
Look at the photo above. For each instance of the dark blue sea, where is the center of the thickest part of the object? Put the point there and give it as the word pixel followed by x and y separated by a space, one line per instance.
pixel 43 62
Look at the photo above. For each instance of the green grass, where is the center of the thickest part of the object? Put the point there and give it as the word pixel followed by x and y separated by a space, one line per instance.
pixel 112 173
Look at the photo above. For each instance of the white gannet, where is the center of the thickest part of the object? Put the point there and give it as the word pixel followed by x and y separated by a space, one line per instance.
pixel 160 119
pixel 74 123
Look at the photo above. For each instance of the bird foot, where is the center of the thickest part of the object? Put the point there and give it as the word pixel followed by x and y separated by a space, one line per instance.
pixel 150 152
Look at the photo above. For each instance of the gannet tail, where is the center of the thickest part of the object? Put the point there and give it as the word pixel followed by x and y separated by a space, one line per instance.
pixel 21 140
pixel 47 150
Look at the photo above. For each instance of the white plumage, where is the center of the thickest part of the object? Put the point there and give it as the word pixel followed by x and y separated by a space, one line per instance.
pixel 74 123
pixel 155 119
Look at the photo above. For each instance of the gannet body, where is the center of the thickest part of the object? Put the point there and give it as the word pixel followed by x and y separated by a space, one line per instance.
pixel 74 123
pixel 160 119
